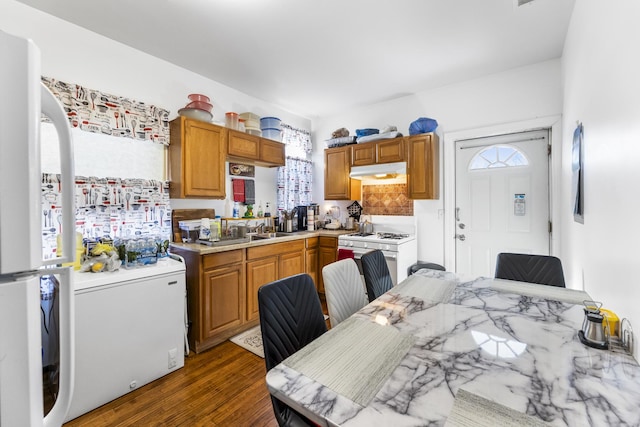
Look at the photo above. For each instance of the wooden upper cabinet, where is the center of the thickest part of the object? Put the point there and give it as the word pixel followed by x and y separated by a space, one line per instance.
pixel 363 154
pixel 337 184
pixel 243 145
pixel 423 171
pixel 196 159
pixel 272 152
pixel 384 151
pixel 389 151
pixel 255 150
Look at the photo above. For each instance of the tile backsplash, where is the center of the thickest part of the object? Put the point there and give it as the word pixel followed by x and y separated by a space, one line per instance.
pixel 388 199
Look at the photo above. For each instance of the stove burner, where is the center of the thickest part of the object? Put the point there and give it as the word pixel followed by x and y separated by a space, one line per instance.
pixel 393 236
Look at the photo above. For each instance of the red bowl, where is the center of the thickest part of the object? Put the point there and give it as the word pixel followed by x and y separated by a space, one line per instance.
pixel 199 97
pixel 200 105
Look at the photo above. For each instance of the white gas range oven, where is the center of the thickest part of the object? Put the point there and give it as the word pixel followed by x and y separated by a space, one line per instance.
pixel 394 235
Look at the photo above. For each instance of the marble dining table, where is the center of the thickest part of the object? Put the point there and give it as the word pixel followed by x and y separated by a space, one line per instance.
pixel 437 350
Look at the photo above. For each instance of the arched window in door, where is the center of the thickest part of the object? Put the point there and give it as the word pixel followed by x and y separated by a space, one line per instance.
pixel 498 156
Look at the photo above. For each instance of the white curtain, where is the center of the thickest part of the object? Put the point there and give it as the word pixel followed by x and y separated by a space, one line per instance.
pixel 295 177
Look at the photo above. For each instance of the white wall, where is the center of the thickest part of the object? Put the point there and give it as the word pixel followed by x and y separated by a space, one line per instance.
pixel 75 55
pixel 516 95
pixel 601 69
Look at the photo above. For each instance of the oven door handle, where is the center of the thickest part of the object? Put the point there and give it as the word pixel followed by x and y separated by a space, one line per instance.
pixel 357 254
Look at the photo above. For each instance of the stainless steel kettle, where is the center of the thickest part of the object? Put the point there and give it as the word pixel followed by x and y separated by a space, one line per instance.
pixel 594 331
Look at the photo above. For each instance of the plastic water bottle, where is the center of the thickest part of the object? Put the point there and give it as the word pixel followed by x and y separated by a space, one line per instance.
pixel 132 253
pixel 236 209
pixel 152 251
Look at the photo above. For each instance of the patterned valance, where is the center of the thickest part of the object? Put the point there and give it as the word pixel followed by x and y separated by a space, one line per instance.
pixel 98 112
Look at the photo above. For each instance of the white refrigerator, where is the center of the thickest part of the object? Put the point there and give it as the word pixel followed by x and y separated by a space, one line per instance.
pixel 23 99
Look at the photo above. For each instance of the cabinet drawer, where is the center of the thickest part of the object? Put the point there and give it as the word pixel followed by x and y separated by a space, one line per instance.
pixel 312 242
pixel 275 249
pixel 331 242
pixel 222 258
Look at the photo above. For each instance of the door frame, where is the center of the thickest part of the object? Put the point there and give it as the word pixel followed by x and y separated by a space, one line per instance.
pixel 553 123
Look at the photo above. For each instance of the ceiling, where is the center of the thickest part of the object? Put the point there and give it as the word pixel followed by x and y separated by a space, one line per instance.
pixel 316 58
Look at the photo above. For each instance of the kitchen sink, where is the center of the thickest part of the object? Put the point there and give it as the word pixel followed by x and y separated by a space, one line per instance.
pixel 265 236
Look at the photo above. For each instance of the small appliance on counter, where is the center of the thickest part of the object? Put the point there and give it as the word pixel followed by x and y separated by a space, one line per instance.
pixel 594 332
pixel 190 230
pixel 302 217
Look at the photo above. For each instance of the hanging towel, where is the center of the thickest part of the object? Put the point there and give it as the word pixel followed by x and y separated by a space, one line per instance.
pixel 238 190
pixel 345 253
pixel 249 192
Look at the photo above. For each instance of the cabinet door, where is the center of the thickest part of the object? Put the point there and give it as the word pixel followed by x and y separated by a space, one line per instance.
pixel 243 145
pixel 196 156
pixel 222 303
pixel 272 152
pixel 326 255
pixel 259 272
pixel 337 184
pixel 422 166
pixel 390 151
pixel 311 267
pixel 363 154
pixel 290 264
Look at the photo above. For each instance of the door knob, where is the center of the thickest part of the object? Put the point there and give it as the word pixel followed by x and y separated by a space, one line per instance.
pixel 461 226
pixel 461 237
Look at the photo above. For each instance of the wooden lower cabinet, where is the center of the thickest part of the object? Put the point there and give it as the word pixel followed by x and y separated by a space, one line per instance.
pixel 311 259
pixel 222 288
pixel 216 296
pixel 259 272
pixel 223 296
pixel 268 263
pixel 327 253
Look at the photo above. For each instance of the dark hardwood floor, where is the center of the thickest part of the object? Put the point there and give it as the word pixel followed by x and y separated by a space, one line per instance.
pixel 223 386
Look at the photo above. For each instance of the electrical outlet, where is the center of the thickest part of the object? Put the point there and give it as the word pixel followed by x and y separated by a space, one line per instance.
pixel 173 354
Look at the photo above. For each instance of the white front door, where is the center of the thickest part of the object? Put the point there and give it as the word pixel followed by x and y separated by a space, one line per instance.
pixel 502 199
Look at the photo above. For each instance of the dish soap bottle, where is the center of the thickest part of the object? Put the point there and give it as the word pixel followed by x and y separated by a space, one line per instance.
pixel 267 212
pixel 259 215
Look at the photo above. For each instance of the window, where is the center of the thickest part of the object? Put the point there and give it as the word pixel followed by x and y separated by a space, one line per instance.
pixel 295 177
pixel 498 156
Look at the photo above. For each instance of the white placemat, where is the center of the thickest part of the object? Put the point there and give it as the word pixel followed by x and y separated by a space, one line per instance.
pixel 554 293
pixel 427 288
pixel 354 359
pixel 471 410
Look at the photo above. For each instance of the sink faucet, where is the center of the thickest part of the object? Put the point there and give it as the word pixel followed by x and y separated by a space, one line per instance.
pixel 260 228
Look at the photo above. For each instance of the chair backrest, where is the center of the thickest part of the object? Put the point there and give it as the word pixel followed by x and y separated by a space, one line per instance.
pixel 540 269
pixel 343 289
pixel 290 317
pixel 376 274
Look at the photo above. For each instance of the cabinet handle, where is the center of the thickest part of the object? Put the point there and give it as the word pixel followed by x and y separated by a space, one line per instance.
pixel 173 282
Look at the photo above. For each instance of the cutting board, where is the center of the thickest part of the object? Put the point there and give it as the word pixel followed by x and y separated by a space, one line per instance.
pixel 184 214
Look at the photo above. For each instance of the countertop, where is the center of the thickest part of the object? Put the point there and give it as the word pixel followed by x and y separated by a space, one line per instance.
pixel 204 249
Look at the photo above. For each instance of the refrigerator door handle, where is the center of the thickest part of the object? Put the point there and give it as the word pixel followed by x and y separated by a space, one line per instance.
pixel 52 109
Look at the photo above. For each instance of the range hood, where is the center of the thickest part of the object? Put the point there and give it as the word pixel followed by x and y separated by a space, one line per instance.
pixel 380 171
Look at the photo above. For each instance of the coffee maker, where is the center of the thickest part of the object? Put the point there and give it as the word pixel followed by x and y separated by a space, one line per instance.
pixel 302 217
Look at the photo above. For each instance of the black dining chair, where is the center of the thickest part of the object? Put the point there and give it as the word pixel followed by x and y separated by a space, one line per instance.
pixel 290 318
pixel 540 269
pixel 376 274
